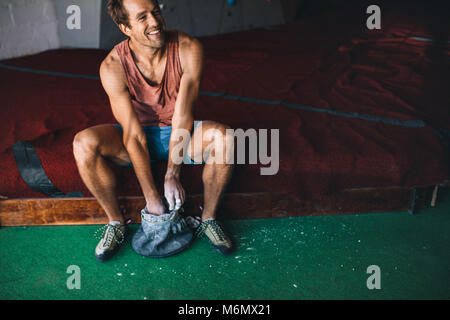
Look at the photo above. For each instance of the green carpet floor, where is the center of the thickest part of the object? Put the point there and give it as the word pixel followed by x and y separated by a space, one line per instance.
pixel 322 257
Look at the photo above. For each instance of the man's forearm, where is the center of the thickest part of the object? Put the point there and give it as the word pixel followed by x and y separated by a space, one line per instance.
pixel 185 124
pixel 139 156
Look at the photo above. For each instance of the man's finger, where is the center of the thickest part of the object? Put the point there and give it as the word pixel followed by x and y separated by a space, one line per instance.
pixel 170 201
pixel 178 203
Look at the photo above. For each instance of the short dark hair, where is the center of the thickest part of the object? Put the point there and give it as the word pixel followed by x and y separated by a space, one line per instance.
pixel 118 12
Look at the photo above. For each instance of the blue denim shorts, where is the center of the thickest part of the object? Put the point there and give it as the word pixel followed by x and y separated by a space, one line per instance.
pixel 158 139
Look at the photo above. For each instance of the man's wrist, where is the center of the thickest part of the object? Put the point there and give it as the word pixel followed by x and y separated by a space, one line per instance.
pixel 152 197
pixel 175 174
pixel 173 171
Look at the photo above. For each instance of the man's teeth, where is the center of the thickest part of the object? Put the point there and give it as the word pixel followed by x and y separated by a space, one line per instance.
pixel 155 32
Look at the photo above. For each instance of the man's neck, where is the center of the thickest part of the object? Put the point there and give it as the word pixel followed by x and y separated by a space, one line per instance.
pixel 146 54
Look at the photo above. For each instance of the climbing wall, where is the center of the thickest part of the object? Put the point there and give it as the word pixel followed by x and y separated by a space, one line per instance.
pixel 88 35
pixel 27 27
pixel 32 26
pixel 207 17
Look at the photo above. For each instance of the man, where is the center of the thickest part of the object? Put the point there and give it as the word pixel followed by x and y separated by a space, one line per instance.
pixel 152 80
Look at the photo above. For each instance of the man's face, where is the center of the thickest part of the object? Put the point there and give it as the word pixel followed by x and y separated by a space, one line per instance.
pixel 147 26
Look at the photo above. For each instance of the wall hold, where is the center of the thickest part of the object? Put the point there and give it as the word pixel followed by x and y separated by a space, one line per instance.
pixel 231 2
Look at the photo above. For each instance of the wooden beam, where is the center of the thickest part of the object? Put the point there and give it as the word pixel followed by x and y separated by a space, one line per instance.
pixel 75 211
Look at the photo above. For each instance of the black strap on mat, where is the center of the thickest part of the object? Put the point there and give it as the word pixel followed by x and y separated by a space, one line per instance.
pixel 32 172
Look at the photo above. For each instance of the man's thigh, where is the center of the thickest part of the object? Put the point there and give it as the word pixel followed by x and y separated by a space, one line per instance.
pixel 202 137
pixel 108 139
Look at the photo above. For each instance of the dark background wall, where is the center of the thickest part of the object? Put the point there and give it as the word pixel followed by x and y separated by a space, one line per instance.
pixel 31 26
pixel 210 17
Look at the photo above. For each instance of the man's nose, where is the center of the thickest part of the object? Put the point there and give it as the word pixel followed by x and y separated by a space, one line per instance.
pixel 152 21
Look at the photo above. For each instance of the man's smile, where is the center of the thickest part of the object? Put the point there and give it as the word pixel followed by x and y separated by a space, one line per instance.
pixel 155 33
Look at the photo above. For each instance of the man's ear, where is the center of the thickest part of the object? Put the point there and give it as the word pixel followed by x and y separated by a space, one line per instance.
pixel 126 30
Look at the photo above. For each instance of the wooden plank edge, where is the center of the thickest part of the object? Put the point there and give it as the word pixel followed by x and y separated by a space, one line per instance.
pixel 81 211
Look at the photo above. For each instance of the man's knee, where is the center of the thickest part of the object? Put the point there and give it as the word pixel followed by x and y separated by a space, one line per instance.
pixel 223 141
pixel 217 131
pixel 85 144
pixel 225 133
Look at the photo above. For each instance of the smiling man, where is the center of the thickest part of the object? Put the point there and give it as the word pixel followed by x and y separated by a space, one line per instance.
pixel 152 80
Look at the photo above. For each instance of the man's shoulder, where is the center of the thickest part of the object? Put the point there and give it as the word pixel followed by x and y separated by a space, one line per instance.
pixel 111 64
pixel 112 60
pixel 188 43
pixel 190 48
pixel 111 71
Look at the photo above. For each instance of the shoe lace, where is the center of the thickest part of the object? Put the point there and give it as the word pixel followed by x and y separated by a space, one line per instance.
pixel 216 230
pixel 200 231
pixel 111 233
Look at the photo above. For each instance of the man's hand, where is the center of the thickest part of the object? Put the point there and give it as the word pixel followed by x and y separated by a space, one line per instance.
pixel 156 207
pixel 174 192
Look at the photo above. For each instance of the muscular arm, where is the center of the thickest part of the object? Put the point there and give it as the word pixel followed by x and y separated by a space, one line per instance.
pixel 191 58
pixel 134 139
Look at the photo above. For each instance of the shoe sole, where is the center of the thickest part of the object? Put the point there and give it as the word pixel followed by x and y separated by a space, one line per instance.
pixel 222 253
pixel 106 256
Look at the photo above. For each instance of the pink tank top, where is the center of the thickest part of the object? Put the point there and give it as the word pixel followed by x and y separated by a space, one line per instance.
pixel 154 105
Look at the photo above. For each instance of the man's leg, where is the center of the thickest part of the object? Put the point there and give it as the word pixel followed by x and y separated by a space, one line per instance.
pixel 94 149
pixel 217 174
pixel 211 140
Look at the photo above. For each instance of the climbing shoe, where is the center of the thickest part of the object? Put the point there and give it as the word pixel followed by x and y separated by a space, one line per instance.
pixel 220 241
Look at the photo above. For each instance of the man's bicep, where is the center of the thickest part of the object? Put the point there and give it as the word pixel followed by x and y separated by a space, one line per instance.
pixel 121 107
pixel 190 80
pixel 194 59
pixel 120 100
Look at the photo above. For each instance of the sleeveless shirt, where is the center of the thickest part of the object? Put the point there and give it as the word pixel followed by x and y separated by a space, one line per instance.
pixel 154 104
